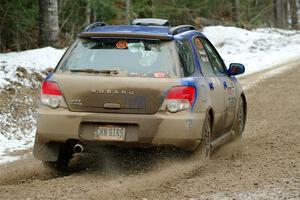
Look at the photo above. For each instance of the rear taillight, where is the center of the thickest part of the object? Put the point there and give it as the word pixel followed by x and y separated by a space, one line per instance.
pixel 50 94
pixel 180 98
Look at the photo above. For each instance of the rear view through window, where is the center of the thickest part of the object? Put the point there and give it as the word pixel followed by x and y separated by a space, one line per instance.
pixel 123 57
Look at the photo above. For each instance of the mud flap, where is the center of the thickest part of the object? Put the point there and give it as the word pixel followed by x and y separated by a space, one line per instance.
pixel 45 152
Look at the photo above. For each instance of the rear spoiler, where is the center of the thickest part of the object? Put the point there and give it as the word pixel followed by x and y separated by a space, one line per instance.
pixel 124 35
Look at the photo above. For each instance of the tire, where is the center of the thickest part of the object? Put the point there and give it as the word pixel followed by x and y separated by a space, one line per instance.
pixel 206 149
pixel 62 163
pixel 240 121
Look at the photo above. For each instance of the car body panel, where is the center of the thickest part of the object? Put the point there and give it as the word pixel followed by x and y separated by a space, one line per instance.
pixel 94 93
pixel 182 129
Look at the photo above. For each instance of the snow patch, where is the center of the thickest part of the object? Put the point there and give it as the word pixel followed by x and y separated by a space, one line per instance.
pixel 258 49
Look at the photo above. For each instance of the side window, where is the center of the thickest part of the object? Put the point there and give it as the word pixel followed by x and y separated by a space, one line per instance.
pixel 206 67
pixel 186 57
pixel 215 60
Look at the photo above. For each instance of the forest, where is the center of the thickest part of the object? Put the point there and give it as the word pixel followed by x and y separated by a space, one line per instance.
pixel 28 24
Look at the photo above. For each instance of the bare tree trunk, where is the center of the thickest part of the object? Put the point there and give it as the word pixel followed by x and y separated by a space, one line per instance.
pixel 153 5
pixel 128 11
pixel 248 10
pixel 280 14
pixel 94 16
pixel 294 14
pixel 236 11
pixel 48 19
pixel 286 13
pixel 88 13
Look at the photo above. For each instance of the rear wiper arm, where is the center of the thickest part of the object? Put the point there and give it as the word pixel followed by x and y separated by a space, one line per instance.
pixel 104 71
pixel 109 71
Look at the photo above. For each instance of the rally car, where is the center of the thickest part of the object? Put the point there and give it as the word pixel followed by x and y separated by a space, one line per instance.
pixel 141 85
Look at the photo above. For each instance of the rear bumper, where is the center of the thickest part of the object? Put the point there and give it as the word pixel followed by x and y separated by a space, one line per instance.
pixel 181 129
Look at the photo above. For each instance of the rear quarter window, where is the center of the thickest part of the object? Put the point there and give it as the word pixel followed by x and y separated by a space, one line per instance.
pixel 186 57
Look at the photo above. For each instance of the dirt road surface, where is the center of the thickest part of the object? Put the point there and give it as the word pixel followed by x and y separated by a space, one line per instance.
pixel 266 165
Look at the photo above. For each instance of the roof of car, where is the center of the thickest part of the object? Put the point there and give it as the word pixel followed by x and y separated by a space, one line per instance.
pixel 159 30
pixel 162 32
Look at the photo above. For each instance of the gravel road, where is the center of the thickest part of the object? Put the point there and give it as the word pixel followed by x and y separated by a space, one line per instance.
pixel 264 165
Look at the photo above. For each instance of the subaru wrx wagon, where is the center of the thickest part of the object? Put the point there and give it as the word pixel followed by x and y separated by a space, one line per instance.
pixel 141 85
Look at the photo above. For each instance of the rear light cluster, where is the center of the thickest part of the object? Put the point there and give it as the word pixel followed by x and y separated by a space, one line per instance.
pixel 50 94
pixel 180 98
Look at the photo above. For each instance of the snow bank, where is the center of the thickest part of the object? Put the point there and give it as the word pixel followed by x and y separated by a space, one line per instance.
pixel 11 148
pixel 258 49
pixel 36 60
pixel 17 128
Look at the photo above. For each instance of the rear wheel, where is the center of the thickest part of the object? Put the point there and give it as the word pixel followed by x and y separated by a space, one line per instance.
pixel 241 119
pixel 207 137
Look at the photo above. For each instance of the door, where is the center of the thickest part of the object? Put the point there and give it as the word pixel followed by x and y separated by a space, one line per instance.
pixel 215 86
pixel 227 85
pixel 230 100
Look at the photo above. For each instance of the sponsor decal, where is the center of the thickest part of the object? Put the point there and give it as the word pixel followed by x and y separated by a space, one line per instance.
pixel 189 124
pixel 231 97
pixel 229 90
pixel 122 44
pixel 159 74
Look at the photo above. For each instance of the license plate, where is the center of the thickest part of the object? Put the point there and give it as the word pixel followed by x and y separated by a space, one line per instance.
pixel 110 133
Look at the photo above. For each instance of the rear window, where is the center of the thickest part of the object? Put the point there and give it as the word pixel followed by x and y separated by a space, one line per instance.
pixel 129 57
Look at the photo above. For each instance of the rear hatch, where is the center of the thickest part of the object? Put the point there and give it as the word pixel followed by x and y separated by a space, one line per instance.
pixel 114 95
pixel 118 75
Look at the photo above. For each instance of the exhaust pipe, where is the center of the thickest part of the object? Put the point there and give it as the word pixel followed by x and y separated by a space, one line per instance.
pixel 78 148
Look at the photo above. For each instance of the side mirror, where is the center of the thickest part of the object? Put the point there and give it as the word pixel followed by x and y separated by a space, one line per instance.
pixel 235 69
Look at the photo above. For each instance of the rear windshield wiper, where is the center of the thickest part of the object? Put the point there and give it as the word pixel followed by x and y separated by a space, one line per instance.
pixel 104 71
